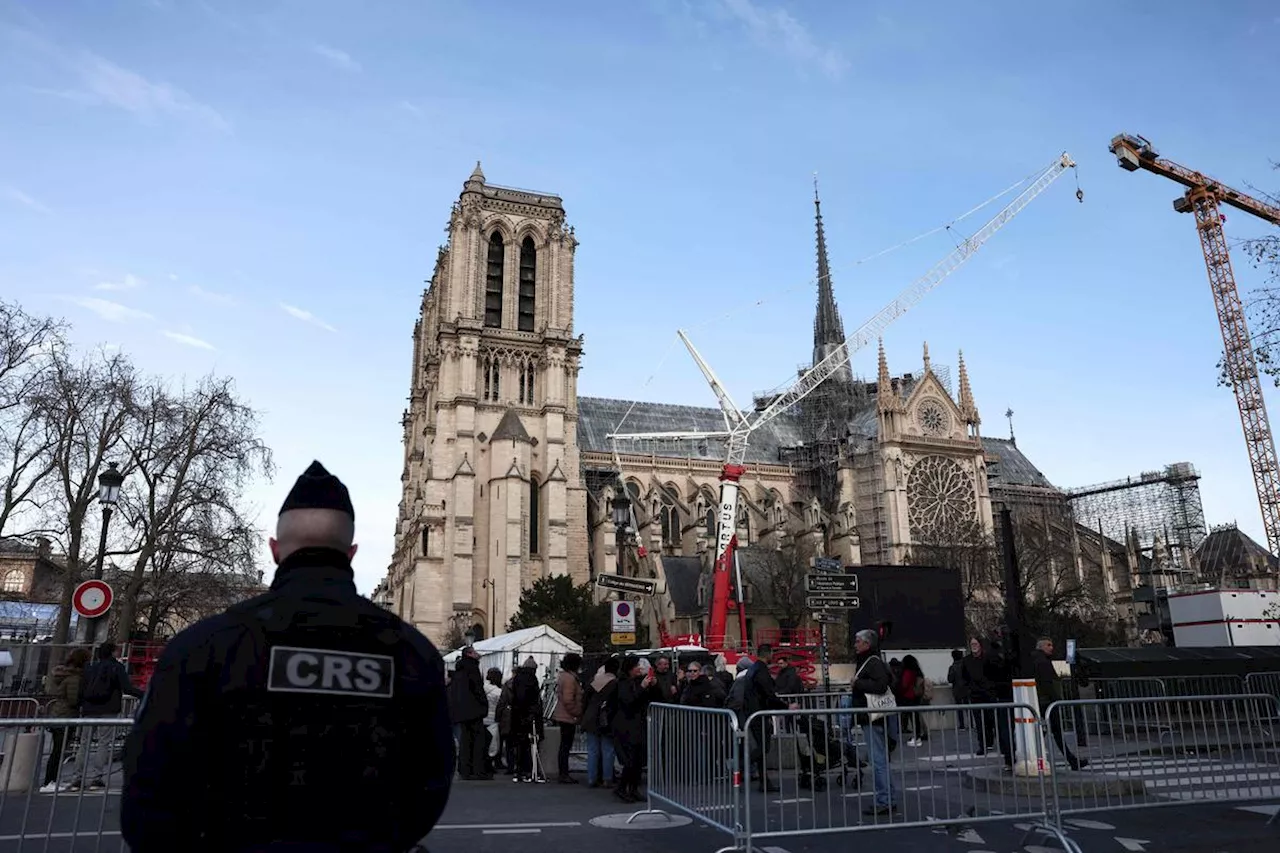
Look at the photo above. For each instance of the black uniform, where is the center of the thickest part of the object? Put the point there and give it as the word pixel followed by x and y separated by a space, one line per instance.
pixel 308 719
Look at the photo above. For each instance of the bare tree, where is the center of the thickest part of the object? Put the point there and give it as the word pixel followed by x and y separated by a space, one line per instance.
pixel 86 404
pixel 27 344
pixel 191 454
pixel 963 546
pixel 782 591
pixel 1263 304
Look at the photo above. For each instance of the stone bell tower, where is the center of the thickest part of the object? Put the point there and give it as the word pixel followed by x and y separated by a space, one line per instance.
pixel 492 495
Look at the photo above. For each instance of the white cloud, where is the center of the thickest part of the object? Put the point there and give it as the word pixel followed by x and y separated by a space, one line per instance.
pixel 112 312
pixel 210 295
pixel 188 340
pixel 172 277
pixel 119 87
pixel 17 195
pixel 335 57
pixel 305 316
pixel 129 282
pixel 778 30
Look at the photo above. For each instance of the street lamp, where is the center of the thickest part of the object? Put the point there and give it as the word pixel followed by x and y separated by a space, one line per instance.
pixel 492 586
pixel 109 483
pixel 621 521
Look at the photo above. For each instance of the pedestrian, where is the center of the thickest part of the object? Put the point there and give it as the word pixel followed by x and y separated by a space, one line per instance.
pixel 871 682
pixel 912 685
pixel 568 712
pixel 959 692
pixel 307 718
pixel 701 691
pixel 493 693
pixel 597 724
pixel 1048 691
pixel 976 676
pixel 468 707
pixel 762 695
pixel 64 686
pixel 102 691
pixel 527 727
pixel 637 689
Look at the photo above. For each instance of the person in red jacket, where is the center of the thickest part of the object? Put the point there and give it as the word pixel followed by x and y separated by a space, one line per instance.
pixel 911 687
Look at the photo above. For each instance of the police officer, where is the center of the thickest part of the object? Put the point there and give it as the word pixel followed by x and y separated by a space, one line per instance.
pixel 306 719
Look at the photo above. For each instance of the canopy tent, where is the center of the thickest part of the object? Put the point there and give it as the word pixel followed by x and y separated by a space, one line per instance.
pixel 507 651
pixel 25 620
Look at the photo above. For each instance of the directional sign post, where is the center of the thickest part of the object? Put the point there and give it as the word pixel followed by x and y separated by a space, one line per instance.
pixel 620 583
pixel 831 579
pixel 832 601
pixel 838 584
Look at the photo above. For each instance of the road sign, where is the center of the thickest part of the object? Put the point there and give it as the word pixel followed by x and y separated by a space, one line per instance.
pixel 639 586
pixel 832 602
pixel 831 583
pixel 829 618
pixel 624 617
pixel 826 564
pixel 92 598
pixel 621 638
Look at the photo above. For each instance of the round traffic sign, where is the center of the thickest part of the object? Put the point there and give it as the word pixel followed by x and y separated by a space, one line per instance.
pixel 92 598
pixel 622 609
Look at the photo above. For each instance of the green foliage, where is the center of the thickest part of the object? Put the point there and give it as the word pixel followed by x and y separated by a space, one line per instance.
pixel 570 609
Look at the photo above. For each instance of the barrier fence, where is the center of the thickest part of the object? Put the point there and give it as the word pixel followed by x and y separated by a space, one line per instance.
pixel 61 816
pixel 820 771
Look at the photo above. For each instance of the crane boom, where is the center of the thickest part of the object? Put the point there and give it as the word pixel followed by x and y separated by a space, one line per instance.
pixel 873 328
pixel 732 415
pixel 1204 198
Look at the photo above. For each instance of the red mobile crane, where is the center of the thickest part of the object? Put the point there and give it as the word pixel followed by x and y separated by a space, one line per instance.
pixel 1204 197
pixel 739 426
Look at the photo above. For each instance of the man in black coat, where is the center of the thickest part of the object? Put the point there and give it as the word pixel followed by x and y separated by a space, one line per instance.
pixel 1048 691
pixel 762 695
pixel 306 719
pixel 468 707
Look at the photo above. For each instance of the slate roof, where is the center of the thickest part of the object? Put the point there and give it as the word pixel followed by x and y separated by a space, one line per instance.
pixel 1013 468
pixel 510 428
pixel 1228 552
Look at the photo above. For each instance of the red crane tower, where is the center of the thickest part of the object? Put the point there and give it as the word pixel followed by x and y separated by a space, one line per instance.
pixel 1204 198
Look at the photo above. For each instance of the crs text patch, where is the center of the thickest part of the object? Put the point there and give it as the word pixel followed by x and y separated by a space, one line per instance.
pixel 295 670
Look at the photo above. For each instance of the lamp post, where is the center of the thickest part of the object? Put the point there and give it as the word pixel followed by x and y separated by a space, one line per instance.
pixel 109 483
pixel 621 521
pixel 491 585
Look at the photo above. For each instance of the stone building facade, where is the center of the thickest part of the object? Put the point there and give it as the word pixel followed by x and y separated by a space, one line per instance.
pixel 509 475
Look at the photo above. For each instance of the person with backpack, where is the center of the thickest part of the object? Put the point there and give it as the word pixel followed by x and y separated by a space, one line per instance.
pixel 64 685
pixel 596 724
pixel 102 691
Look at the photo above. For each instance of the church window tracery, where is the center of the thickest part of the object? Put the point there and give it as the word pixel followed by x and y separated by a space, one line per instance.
pixel 940 498
pixel 493 282
pixel 528 285
pixel 527 372
pixel 492 372
pixel 669 518
pixel 535 515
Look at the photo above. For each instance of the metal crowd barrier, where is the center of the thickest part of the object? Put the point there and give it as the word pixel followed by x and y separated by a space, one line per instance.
pixel 818 701
pixel 811 772
pixel 1263 682
pixel 33 815
pixel 1171 751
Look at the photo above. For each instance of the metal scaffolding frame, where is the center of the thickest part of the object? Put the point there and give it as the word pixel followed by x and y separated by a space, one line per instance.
pixel 1162 504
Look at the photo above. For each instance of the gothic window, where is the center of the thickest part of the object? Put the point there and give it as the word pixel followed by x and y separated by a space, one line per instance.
pixel 492 374
pixel 493 282
pixel 426 540
pixel 710 523
pixel 528 274
pixel 669 517
pixel 14 580
pixel 535 517
pixel 527 372
pixel 941 501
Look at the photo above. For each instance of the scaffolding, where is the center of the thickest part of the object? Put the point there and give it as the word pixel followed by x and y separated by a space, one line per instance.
pixel 1155 508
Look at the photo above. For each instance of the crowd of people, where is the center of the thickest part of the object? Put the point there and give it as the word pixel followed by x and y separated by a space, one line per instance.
pixel 499 721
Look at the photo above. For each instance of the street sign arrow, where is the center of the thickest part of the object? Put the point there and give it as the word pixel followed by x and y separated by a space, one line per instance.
pixel 826 564
pixel 831 583
pixel 832 602
pixel 829 618
pixel 640 586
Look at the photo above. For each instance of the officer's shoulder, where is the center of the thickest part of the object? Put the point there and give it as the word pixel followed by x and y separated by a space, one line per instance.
pixel 409 635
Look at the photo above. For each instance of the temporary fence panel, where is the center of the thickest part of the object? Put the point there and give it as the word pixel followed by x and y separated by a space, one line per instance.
pixel 693 766
pixel 1263 682
pixel 829 701
pixel 805 777
pixel 1202 685
pixel 1169 751
pixel 33 814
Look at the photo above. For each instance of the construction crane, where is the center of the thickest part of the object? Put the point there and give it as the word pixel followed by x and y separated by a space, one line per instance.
pixel 740 426
pixel 1204 198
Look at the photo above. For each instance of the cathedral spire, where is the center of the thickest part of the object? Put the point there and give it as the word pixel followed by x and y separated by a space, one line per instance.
pixel 968 409
pixel 927 366
pixel 886 397
pixel 828 329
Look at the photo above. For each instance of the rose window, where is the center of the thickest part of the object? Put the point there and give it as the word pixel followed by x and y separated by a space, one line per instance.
pixel 940 498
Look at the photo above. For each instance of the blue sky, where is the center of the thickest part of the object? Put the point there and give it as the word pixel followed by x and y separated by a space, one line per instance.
pixel 258 188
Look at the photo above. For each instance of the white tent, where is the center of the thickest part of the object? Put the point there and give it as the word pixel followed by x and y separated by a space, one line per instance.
pixel 507 651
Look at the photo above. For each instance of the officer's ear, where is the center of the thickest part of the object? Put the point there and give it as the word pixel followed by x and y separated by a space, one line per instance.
pixel 275 550
pixel 351 553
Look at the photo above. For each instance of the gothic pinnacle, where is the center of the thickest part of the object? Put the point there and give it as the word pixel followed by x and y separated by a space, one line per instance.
pixel 928 367
pixel 968 408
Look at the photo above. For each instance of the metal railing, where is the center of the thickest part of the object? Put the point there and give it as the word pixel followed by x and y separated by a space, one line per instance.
pixel 818 771
pixel 1263 682
pixel 72 812
pixel 1170 751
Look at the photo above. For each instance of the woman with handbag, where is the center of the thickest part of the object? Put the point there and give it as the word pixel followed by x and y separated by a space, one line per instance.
pixel 872 689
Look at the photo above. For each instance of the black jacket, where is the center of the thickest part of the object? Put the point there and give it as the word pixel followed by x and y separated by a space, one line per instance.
pixel 788 682
pixel 978 675
pixel 703 692
pixel 762 693
pixel 629 720
pixel 1048 683
pixel 873 679
pixel 467 702
pixel 121 686
pixel 526 704
pixel 307 719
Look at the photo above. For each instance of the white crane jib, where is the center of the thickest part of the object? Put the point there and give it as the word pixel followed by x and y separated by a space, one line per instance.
pixel 739 426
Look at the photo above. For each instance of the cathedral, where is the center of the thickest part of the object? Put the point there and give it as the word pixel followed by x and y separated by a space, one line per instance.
pixel 509 475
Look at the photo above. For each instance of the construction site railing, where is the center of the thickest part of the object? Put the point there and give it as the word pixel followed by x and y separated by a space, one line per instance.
pixel 1152 752
pixel 77 817
pixel 1263 682
pixel 831 701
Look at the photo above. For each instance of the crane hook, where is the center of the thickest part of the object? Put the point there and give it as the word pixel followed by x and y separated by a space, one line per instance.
pixel 1079 195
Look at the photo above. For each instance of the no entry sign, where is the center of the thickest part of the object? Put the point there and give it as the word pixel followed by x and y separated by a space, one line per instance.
pixel 92 599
